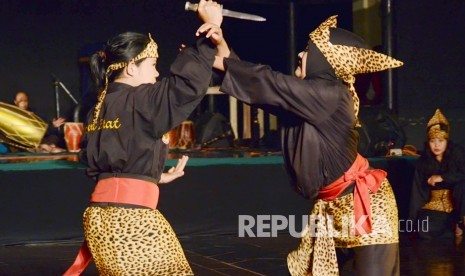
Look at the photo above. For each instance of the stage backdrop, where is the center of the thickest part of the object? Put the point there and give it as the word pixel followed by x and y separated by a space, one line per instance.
pixel 429 38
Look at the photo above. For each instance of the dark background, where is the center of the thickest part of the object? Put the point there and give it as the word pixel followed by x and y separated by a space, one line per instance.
pixel 430 39
pixel 40 38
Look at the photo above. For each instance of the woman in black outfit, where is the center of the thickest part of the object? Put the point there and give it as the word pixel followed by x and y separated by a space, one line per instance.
pixel 126 145
pixel 438 191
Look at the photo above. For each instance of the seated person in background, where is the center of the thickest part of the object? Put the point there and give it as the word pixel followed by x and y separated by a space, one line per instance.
pixel 439 183
pixel 52 138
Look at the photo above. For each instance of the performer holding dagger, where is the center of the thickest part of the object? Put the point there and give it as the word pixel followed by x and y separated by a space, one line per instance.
pixel 125 148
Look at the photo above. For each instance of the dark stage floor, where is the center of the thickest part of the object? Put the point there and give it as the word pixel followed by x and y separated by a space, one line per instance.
pixel 213 254
pixel 227 255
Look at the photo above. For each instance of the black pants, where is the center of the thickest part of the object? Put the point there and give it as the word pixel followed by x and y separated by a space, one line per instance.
pixel 370 260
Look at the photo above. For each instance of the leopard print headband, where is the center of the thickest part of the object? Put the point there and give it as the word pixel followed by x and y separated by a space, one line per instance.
pixel 150 51
pixel 348 61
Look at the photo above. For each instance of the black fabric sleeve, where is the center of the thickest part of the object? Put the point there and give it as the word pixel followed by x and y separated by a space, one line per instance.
pixel 420 192
pixel 456 172
pixel 218 76
pixel 260 85
pixel 82 155
pixel 175 97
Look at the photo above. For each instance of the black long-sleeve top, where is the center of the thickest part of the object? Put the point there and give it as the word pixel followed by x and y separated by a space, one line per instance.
pixel 451 169
pixel 319 141
pixel 136 118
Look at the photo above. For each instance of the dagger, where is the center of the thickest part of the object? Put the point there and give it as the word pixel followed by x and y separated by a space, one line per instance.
pixel 241 15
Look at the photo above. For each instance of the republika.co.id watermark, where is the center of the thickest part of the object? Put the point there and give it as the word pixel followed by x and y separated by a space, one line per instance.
pixel 265 226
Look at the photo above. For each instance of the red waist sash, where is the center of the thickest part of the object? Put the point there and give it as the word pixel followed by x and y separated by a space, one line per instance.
pixel 127 191
pixel 116 190
pixel 365 180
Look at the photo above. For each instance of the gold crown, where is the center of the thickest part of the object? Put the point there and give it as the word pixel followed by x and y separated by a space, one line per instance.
pixel 438 126
pixel 348 61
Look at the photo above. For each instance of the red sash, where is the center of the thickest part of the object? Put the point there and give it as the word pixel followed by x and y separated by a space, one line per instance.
pixel 116 190
pixel 364 180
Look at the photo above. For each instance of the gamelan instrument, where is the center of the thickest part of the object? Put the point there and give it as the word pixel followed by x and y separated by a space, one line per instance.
pixel 182 136
pixel 73 134
pixel 20 128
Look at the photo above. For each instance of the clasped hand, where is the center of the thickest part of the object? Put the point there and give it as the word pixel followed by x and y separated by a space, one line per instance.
pixel 434 179
pixel 211 15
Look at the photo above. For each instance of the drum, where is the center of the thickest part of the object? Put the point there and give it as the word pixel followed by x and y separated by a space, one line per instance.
pixel 173 138
pixel 73 134
pixel 186 135
pixel 21 127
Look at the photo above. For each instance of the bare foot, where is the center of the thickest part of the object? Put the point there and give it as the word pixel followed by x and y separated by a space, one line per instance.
pixel 45 148
pixel 57 150
pixel 50 148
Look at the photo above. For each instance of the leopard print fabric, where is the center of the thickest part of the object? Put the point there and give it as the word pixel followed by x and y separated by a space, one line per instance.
pixel 133 241
pixel 316 253
pixel 348 61
pixel 440 200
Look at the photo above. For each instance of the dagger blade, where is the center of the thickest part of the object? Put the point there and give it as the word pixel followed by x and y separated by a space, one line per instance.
pixel 240 15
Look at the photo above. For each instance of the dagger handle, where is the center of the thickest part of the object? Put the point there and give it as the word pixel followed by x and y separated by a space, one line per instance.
pixel 191 6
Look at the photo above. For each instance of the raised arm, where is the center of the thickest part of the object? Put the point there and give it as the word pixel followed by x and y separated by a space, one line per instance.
pixel 177 96
pixel 260 85
pixel 215 35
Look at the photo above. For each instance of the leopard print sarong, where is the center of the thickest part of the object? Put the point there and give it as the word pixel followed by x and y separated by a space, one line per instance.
pixel 133 241
pixel 331 225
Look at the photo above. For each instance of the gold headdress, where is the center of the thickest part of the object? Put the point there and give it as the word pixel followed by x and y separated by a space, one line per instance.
pixel 438 126
pixel 348 61
pixel 150 51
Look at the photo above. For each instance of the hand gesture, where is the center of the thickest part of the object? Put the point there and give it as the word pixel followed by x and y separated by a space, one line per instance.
pixel 58 122
pixel 213 31
pixel 210 12
pixel 174 172
pixel 434 179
